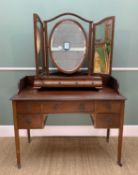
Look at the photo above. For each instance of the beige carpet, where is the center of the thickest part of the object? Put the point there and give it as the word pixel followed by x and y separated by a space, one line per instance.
pixel 68 156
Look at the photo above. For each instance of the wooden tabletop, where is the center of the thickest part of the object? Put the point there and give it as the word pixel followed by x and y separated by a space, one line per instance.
pixel 33 94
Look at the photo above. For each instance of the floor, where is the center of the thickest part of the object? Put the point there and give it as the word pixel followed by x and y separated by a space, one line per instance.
pixel 68 156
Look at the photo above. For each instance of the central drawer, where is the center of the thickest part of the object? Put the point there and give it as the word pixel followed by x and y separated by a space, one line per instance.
pixel 68 107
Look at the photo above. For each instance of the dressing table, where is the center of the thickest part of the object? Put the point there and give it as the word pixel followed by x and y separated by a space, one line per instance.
pixel 73 75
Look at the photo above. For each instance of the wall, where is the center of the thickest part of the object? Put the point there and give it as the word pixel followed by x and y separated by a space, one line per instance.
pixel 17 50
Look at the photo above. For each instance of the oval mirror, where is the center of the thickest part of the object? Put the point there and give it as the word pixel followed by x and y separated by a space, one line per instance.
pixel 68 45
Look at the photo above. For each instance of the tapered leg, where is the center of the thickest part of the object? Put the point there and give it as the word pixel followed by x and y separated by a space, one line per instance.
pixel 108 135
pixel 29 136
pixel 120 140
pixel 120 136
pixel 17 139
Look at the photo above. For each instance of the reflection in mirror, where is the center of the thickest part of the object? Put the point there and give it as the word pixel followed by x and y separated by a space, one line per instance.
pixel 103 46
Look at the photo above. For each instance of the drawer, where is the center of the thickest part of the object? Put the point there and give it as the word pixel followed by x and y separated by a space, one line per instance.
pixel 108 106
pixel 28 107
pixel 107 120
pixel 68 107
pixel 31 121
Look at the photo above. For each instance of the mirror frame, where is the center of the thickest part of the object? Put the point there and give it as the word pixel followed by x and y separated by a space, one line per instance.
pixel 39 72
pixel 112 18
pixel 85 40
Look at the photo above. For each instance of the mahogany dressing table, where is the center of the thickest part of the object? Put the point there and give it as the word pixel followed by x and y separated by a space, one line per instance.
pixel 79 82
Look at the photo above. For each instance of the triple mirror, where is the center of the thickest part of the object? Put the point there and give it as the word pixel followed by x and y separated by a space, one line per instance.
pixel 70 45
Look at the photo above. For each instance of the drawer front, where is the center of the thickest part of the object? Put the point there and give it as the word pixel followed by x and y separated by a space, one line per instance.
pixel 30 121
pixel 108 106
pixel 106 120
pixel 28 107
pixel 68 107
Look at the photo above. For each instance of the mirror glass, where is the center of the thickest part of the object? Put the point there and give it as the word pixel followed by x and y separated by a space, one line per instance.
pixel 68 45
pixel 103 46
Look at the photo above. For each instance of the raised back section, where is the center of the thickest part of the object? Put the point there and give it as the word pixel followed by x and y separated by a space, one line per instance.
pixel 73 47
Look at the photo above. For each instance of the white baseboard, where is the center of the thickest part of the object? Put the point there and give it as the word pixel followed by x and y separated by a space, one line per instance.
pixel 129 131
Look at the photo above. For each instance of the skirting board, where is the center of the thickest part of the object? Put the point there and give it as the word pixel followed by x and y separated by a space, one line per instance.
pixel 129 131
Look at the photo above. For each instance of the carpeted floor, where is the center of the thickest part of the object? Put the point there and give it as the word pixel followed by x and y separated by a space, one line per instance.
pixel 68 156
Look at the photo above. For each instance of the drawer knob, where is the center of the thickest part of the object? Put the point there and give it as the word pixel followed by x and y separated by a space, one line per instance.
pixel 28 120
pixel 82 107
pixel 108 106
pixel 109 119
pixel 55 107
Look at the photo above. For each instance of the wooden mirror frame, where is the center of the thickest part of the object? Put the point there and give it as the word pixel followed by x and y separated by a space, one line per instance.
pixel 37 19
pixel 112 18
pixel 85 40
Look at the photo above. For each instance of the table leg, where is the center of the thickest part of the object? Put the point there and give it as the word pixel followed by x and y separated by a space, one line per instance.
pixel 108 135
pixel 29 136
pixel 17 139
pixel 120 137
pixel 120 140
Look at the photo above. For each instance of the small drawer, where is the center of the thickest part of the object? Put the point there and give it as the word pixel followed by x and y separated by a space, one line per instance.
pixel 68 107
pixel 108 106
pixel 107 120
pixel 28 107
pixel 26 121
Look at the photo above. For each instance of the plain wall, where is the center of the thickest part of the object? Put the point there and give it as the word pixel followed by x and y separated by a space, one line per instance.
pixel 17 48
